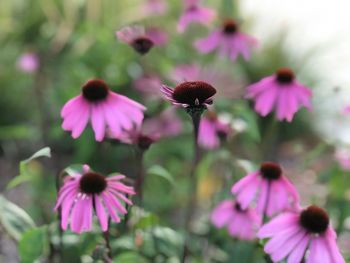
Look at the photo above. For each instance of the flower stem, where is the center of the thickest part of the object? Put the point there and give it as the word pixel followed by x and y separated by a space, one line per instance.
pixel 140 175
pixel 108 245
pixel 196 118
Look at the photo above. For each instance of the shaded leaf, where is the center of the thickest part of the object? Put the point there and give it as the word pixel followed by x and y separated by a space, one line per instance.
pixel 33 244
pixel 14 219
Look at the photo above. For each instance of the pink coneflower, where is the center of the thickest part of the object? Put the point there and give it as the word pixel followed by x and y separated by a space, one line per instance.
pixel 28 62
pixel 83 194
pixel 194 13
pixel 104 107
pixel 293 233
pixel 280 91
pixel 155 7
pixel 141 39
pixel 230 41
pixel 189 94
pixel 212 130
pixel 241 223
pixel 271 189
pixel 342 156
pixel 166 124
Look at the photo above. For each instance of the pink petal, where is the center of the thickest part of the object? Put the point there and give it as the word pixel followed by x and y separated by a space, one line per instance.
pixel 208 44
pixel 278 224
pixel 318 251
pixel 299 251
pixel 98 122
pixel 288 246
pixel 278 241
pixel 222 213
pixel 101 213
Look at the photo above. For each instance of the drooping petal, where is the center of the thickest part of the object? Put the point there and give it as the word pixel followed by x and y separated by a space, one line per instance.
pixel 98 121
pixel 101 213
pixel 208 44
pixel 278 224
pixel 222 213
pixel 299 251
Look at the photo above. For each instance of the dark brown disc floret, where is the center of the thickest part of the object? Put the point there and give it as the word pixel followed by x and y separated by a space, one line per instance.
pixel 285 75
pixel 193 93
pixel 95 90
pixel 270 171
pixel 314 219
pixel 92 183
pixel 230 26
pixel 142 45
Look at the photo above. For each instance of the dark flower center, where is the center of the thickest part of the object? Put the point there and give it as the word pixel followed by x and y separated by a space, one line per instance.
pixel 270 171
pixel 95 90
pixel 142 45
pixel 230 27
pixel 92 183
pixel 285 75
pixel 192 8
pixel 314 219
pixel 144 142
pixel 193 93
pixel 238 207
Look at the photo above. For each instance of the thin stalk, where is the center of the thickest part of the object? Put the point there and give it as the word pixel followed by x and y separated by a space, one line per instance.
pixel 140 175
pixel 196 117
pixel 193 179
pixel 108 244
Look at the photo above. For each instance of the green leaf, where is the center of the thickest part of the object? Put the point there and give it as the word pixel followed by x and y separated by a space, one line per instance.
pixel 14 219
pixel 130 257
pixel 24 175
pixel 33 244
pixel 44 152
pixel 161 172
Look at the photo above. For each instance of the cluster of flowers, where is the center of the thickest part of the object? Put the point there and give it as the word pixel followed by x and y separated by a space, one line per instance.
pixel 291 231
pixel 266 192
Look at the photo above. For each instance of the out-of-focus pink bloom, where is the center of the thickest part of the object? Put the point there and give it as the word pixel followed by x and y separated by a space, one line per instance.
pixel 83 194
pixel 197 94
pixel 166 124
pixel 212 130
pixel 241 223
pixel 155 7
pixel 28 62
pixel 272 191
pixel 343 158
pixel 226 86
pixel 104 107
pixel 149 86
pixel 346 110
pixel 229 40
pixel 281 92
pixel 195 13
pixel 293 233
pixel 141 39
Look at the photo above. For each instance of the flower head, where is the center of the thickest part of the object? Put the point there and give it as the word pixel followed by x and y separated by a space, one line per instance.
pixel 190 94
pixel 241 223
pixel 282 92
pixel 212 130
pixel 141 39
pixel 293 233
pixel 28 62
pixel 148 85
pixel 271 189
pixel 194 13
pixel 105 109
pixel 89 192
pixel 155 7
pixel 342 156
pixel 229 40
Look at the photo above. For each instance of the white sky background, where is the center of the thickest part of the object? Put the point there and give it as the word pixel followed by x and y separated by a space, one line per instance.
pixel 313 24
